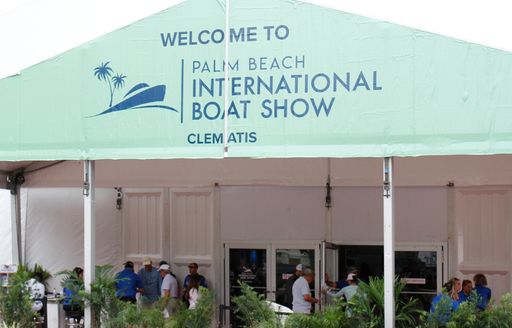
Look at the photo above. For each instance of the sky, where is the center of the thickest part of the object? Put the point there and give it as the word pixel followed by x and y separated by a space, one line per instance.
pixel 32 31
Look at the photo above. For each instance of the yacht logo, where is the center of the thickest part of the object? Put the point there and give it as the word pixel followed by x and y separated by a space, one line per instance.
pixel 138 97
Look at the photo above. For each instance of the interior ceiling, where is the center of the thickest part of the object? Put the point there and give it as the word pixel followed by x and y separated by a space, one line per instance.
pixel 350 172
pixel 6 167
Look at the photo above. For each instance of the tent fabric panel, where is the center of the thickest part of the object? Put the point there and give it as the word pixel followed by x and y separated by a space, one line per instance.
pixel 342 86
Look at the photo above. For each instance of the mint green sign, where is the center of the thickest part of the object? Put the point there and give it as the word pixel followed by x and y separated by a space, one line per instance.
pixel 304 81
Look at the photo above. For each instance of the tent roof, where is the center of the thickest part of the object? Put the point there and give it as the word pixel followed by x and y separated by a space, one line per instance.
pixel 341 86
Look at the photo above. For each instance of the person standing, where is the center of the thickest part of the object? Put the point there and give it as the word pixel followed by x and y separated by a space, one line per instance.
pixel 348 291
pixel 128 283
pixel 288 285
pixel 193 293
pixel 302 299
pixel 465 293
pixel 192 269
pixel 168 290
pixel 483 293
pixel 151 283
pixel 445 298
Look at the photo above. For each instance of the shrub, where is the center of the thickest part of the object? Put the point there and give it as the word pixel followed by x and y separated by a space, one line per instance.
pixel 15 303
pixel 333 317
pixel 368 305
pixel 253 309
pixel 200 317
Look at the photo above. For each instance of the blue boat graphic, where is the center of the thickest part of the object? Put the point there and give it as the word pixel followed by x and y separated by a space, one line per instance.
pixel 142 99
pixel 140 96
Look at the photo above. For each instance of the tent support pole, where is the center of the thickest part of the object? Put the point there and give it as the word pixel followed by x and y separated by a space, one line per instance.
pixel 15 228
pixel 89 235
pixel 389 245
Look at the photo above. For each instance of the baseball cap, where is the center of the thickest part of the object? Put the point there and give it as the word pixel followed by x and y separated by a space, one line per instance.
pixel 146 261
pixel 298 267
pixel 164 267
pixel 350 276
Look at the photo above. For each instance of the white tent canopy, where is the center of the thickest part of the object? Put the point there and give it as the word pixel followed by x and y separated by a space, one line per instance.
pixel 439 136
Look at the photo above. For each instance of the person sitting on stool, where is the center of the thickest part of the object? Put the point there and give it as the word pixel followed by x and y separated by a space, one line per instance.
pixel 72 285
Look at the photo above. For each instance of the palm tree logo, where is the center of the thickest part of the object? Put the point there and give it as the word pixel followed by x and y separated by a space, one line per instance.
pixel 103 72
pixel 139 96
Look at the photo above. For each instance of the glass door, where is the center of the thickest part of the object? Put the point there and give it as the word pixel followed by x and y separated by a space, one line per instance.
pixel 329 270
pixel 269 269
pixel 244 264
pixel 286 258
pixel 420 267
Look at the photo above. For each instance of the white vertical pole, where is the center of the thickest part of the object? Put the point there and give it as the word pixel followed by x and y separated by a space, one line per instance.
pixel 89 234
pixel 15 241
pixel 389 246
pixel 226 76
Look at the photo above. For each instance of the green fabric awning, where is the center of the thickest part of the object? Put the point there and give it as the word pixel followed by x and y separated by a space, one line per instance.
pixel 304 81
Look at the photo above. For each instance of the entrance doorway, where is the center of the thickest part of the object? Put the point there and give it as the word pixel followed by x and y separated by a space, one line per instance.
pixel 421 267
pixel 268 268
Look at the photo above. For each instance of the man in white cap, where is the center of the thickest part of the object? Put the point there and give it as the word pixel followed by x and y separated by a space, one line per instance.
pixel 302 299
pixel 168 290
pixel 288 295
pixel 150 283
pixel 349 291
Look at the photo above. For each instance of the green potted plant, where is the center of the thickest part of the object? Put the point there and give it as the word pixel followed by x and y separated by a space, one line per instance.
pixel 15 303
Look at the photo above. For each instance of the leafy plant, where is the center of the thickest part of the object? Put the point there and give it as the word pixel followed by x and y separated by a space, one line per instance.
pixel 253 309
pixel 368 305
pixel 201 316
pixel 15 303
pixel 38 269
pixel 498 317
pixel 72 282
pixel 14 325
pixel 333 317
pixel 131 316
pixel 102 297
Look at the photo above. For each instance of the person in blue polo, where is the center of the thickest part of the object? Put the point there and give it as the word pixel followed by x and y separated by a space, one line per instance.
pixel 483 293
pixel 445 303
pixel 465 293
pixel 151 284
pixel 192 269
pixel 128 283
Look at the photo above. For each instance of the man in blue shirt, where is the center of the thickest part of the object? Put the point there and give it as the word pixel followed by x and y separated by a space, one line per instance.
pixel 128 283
pixel 465 293
pixel 192 269
pixel 483 293
pixel 151 283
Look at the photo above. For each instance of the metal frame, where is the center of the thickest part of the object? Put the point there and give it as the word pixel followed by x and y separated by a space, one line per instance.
pixel 89 234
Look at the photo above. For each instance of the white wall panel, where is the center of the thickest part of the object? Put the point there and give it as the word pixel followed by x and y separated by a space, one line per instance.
pixel 421 214
pixel 272 213
pixel 53 218
pixel 192 232
pixel 5 227
pixel 484 235
pixel 143 224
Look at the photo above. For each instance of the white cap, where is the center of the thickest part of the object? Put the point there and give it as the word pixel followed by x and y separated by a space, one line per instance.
pixel 164 267
pixel 298 267
pixel 350 276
